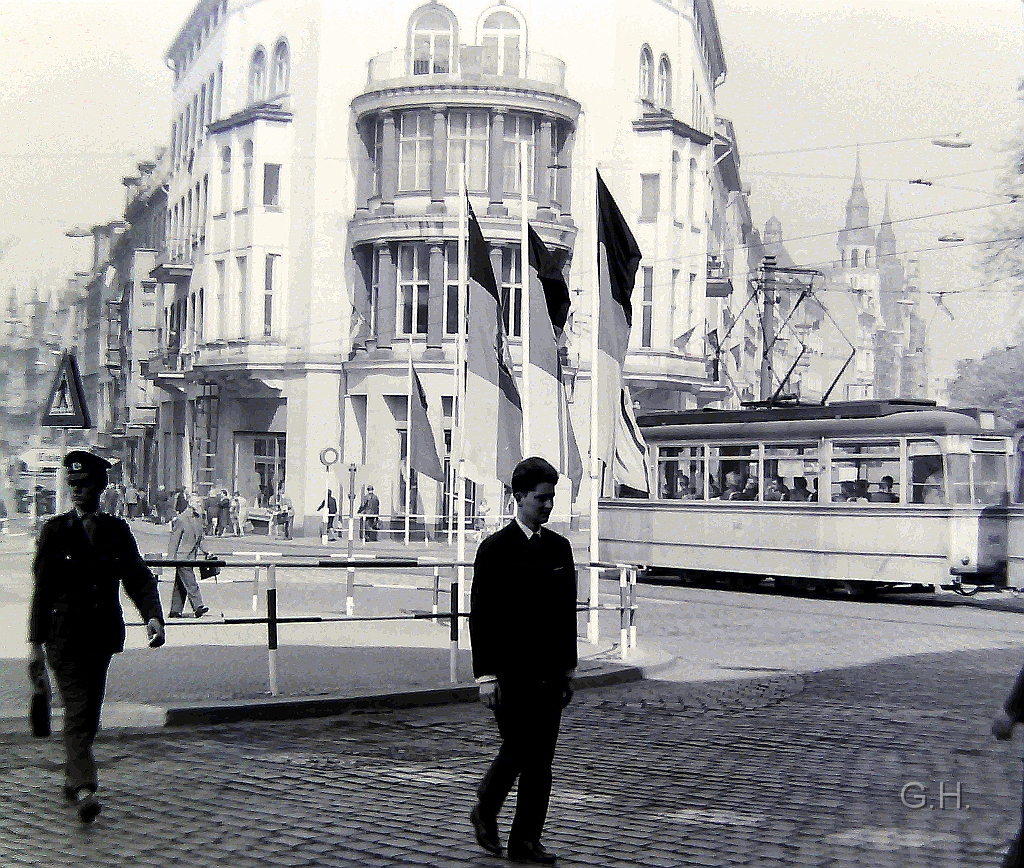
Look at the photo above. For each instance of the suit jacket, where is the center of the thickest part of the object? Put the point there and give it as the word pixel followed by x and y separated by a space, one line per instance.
pixel 75 601
pixel 186 535
pixel 522 618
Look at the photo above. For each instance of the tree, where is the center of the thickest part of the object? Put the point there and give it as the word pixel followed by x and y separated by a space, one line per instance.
pixel 993 382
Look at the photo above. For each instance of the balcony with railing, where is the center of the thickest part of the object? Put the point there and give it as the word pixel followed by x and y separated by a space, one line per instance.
pixel 719 281
pixel 467 64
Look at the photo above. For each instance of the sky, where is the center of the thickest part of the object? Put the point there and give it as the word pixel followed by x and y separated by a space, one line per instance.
pixel 86 96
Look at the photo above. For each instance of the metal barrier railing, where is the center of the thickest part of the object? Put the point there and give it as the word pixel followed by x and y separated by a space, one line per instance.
pixel 270 562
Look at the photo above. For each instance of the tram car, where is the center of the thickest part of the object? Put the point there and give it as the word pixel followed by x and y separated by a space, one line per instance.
pixel 864 496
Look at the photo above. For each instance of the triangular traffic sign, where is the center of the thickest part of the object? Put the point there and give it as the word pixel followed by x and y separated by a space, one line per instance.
pixel 66 407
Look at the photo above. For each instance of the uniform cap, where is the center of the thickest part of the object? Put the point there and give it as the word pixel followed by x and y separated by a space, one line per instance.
pixel 84 465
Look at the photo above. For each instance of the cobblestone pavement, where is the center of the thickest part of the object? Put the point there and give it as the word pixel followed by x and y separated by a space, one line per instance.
pixel 770 771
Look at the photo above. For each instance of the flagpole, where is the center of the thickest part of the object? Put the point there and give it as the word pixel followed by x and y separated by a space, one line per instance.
pixel 408 449
pixel 460 485
pixel 524 310
pixel 593 628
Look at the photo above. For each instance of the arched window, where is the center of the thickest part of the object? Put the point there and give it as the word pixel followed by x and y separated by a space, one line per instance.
pixel 855 258
pixel 432 32
pixel 664 82
pixel 646 73
pixel 502 37
pixel 258 76
pixel 868 258
pixel 282 68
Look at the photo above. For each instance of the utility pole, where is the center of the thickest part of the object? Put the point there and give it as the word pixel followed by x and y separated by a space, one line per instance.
pixel 767 283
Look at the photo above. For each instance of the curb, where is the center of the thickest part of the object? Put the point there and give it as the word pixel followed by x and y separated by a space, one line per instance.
pixel 288 708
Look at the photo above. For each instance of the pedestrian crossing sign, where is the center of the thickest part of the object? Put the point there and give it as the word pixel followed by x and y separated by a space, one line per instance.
pixel 66 407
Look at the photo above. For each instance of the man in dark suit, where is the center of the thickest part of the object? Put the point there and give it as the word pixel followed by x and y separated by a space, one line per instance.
pixel 81 557
pixel 523 626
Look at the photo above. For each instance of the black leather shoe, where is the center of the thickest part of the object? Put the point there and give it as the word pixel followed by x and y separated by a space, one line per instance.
pixel 89 806
pixel 530 851
pixel 202 610
pixel 486 831
pixel 176 615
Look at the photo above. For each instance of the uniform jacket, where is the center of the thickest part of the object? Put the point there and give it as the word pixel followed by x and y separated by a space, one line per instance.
pixel 75 601
pixel 523 606
pixel 186 535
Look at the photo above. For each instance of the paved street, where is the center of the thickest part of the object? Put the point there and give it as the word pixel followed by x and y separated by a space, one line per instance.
pixel 782 732
pixel 773 771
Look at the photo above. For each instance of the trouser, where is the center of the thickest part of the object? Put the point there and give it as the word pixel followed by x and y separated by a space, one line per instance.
pixel 81 679
pixel 185 584
pixel 528 717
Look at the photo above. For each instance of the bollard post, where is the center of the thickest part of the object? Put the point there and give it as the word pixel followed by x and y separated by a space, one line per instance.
pixel 623 614
pixel 437 594
pixel 272 628
pixel 594 613
pixel 453 636
pixel 256 586
pixel 350 590
pixel 632 607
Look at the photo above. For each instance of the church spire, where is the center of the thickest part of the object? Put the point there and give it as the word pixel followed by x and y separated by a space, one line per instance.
pixel 858 213
pixel 886 240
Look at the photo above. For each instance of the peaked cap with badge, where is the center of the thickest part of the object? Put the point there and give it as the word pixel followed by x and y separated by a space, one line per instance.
pixel 82 465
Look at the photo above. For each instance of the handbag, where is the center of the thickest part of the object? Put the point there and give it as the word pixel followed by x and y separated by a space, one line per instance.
pixel 208 570
pixel 39 705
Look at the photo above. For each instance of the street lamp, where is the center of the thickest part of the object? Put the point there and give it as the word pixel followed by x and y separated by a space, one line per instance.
pixel 956 141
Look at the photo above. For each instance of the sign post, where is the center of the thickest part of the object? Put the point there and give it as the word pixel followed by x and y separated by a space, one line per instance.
pixel 328 457
pixel 65 408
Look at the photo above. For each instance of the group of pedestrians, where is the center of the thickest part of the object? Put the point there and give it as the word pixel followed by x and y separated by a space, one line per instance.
pixel 523 656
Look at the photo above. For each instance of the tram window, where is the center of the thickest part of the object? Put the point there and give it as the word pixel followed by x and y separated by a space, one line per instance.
pixel 681 473
pixel 790 472
pixel 927 480
pixel 733 470
pixel 865 472
pixel 988 479
pixel 959 478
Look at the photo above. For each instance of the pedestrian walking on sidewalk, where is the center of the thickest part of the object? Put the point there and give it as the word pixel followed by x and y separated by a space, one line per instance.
pixel 1002 728
pixel 522 622
pixel 186 542
pixel 369 509
pixel 75 620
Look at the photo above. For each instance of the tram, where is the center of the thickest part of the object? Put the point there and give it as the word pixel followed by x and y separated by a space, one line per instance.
pixel 864 496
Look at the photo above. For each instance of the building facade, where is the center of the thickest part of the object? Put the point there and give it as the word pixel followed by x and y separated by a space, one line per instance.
pixel 312 221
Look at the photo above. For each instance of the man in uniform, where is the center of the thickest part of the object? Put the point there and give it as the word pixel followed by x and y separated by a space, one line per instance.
pixel 81 556
pixel 186 539
pixel 523 625
pixel 370 510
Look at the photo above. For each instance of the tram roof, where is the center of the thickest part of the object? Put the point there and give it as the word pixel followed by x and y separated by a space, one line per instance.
pixel 847 418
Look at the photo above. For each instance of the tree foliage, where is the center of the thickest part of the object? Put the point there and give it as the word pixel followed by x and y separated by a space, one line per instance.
pixel 993 382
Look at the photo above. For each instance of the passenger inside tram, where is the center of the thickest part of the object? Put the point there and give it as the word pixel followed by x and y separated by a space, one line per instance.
pixel 749 490
pixel 734 486
pixel 885 493
pixel 928 484
pixel 776 489
pixel 799 493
